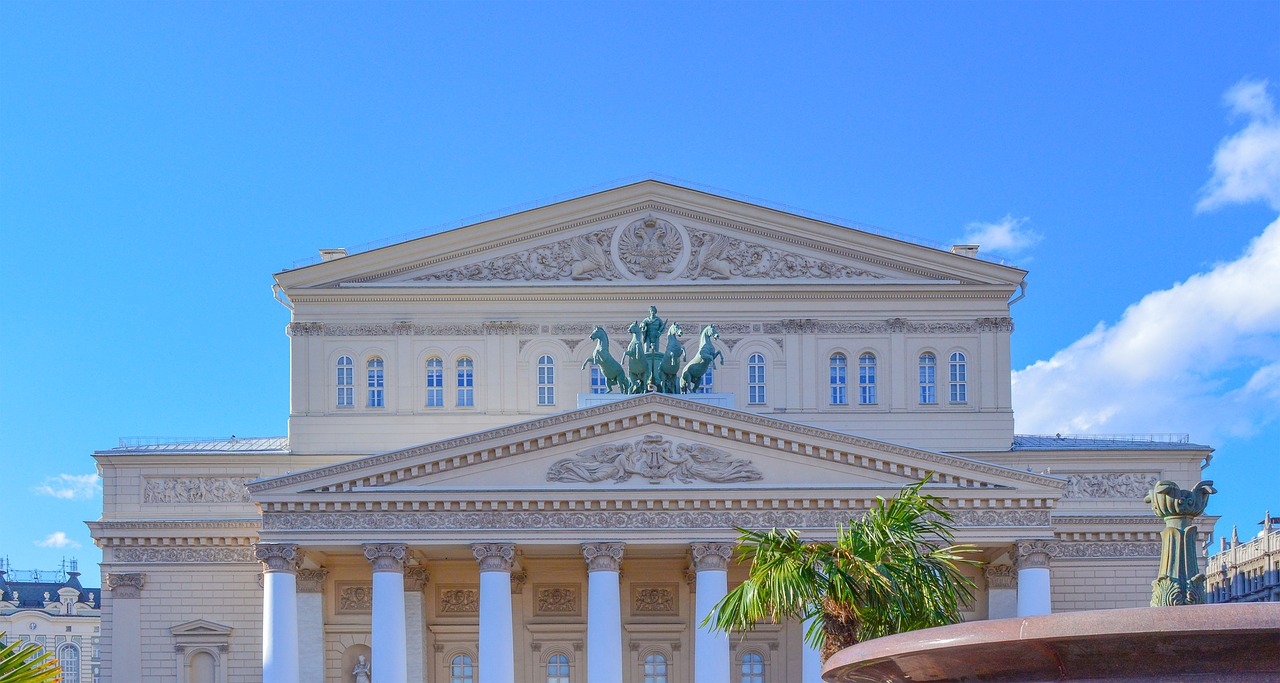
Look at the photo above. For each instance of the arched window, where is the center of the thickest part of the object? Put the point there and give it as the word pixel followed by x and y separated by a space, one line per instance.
pixel 867 379
pixel 376 382
pixel 557 669
pixel 959 381
pixel 928 378
pixel 346 382
pixel 599 383
pixel 546 381
pixel 462 670
pixel 752 668
pixel 839 380
pixel 466 382
pixel 708 382
pixel 435 382
pixel 69 662
pixel 755 379
pixel 655 668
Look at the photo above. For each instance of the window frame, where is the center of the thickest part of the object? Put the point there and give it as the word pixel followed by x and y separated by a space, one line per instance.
pixel 545 379
pixel 345 391
pixel 958 377
pixel 465 394
pixel 79 663
pixel 433 368
pixel 868 379
pixel 376 385
pixel 757 379
pixel 745 676
pixel 838 378
pixel 466 676
pixel 928 378
pixel 664 676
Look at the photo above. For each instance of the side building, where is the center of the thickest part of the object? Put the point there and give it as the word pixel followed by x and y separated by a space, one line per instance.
pixel 61 616
pixel 1249 571
pixel 461 495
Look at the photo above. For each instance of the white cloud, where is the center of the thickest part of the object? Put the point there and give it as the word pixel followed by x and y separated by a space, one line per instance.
pixel 1246 166
pixel 71 486
pixel 57 539
pixel 1008 235
pixel 1175 360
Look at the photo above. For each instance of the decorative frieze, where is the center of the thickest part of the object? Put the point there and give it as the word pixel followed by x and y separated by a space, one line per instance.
pixel 1126 485
pixel 1001 576
pixel 716 520
pixel 557 600
pixel 455 600
pixel 1093 549
pixel 123 586
pixel 209 555
pixel 354 598
pixel 711 556
pixel 602 557
pixel 655 599
pixel 386 557
pixel 311 580
pixel 196 490
pixel 494 557
pixel 275 557
pixel 654 458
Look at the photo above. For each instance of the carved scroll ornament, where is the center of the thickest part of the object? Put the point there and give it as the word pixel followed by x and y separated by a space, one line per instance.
pixel 583 257
pixel 720 257
pixel 656 459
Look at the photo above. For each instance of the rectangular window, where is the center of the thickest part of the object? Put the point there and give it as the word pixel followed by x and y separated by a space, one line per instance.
pixel 928 383
pixel 867 381
pixel 466 386
pixel 755 380
pixel 959 380
pixel 599 383
pixel 435 383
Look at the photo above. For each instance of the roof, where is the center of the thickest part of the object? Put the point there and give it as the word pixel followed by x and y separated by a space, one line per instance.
pixel 1106 442
pixel 252 444
pixel 31 593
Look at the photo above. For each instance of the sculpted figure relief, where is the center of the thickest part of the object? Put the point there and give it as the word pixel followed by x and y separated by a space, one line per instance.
pixel 654 458
pixel 362 670
pixel 719 257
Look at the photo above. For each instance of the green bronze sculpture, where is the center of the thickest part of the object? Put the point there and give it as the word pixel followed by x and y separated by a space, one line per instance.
pixel 646 367
pixel 1180 581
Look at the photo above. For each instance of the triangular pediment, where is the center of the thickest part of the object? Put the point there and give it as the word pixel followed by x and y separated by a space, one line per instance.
pixel 649 233
pixel 200 627
pixel 655 443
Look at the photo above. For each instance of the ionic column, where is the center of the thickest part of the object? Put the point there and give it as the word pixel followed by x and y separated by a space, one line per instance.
pixel 497 639
pixel 311 624
pixel 389 656
pixel 415 581
pixel 1035 596
pixel 1002 591
pixel 604 611
pixel 280 563
pixel 126 625
pixel 710 648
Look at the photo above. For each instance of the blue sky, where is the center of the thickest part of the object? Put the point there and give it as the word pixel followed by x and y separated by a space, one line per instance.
pixel 159 161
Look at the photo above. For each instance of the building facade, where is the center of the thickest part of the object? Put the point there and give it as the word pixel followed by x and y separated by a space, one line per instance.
pixel 457 501
pixel 1249 571
pixel 61 616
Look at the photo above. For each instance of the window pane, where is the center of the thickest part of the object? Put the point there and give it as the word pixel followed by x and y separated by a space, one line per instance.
pixel 839 380
pixel 755 379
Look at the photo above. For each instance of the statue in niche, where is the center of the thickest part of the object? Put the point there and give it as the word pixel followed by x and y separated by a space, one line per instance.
pixel 362 670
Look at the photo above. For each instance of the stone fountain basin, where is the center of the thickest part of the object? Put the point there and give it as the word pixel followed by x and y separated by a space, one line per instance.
pixel 1203 643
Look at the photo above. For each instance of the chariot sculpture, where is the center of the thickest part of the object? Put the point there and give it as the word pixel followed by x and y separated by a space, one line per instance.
pixel 647 366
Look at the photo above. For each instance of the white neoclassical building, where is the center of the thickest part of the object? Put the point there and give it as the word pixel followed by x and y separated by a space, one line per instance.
pixel 458 502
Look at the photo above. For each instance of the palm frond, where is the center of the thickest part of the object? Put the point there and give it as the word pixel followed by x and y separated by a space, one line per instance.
pixel 25 663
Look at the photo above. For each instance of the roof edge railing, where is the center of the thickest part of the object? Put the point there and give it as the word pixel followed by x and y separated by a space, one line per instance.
pixel 631 180
pixel 1154 437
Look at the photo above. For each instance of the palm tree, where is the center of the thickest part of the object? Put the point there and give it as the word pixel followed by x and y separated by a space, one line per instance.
pixel 894 569
pixel 22 663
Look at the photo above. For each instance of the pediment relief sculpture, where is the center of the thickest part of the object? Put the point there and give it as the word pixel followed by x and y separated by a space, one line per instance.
pixel 654 458
pixel 651 248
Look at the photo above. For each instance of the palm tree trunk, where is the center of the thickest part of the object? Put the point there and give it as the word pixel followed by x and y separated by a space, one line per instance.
pixel 840 628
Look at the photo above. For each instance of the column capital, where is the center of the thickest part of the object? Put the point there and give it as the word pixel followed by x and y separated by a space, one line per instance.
pixel 311 580
pixel 416 578
pixel 1035 554
pixel 125 585
pixel 386 557
pixel 278 557
pixel 1001 576
pixel 602 557
pixel 711 556
pixel 494 557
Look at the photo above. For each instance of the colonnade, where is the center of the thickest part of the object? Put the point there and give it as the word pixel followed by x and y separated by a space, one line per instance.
pixel 282 562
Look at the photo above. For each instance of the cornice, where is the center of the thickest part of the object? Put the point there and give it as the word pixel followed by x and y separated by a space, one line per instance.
pixel 509 443
pixel 566 293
